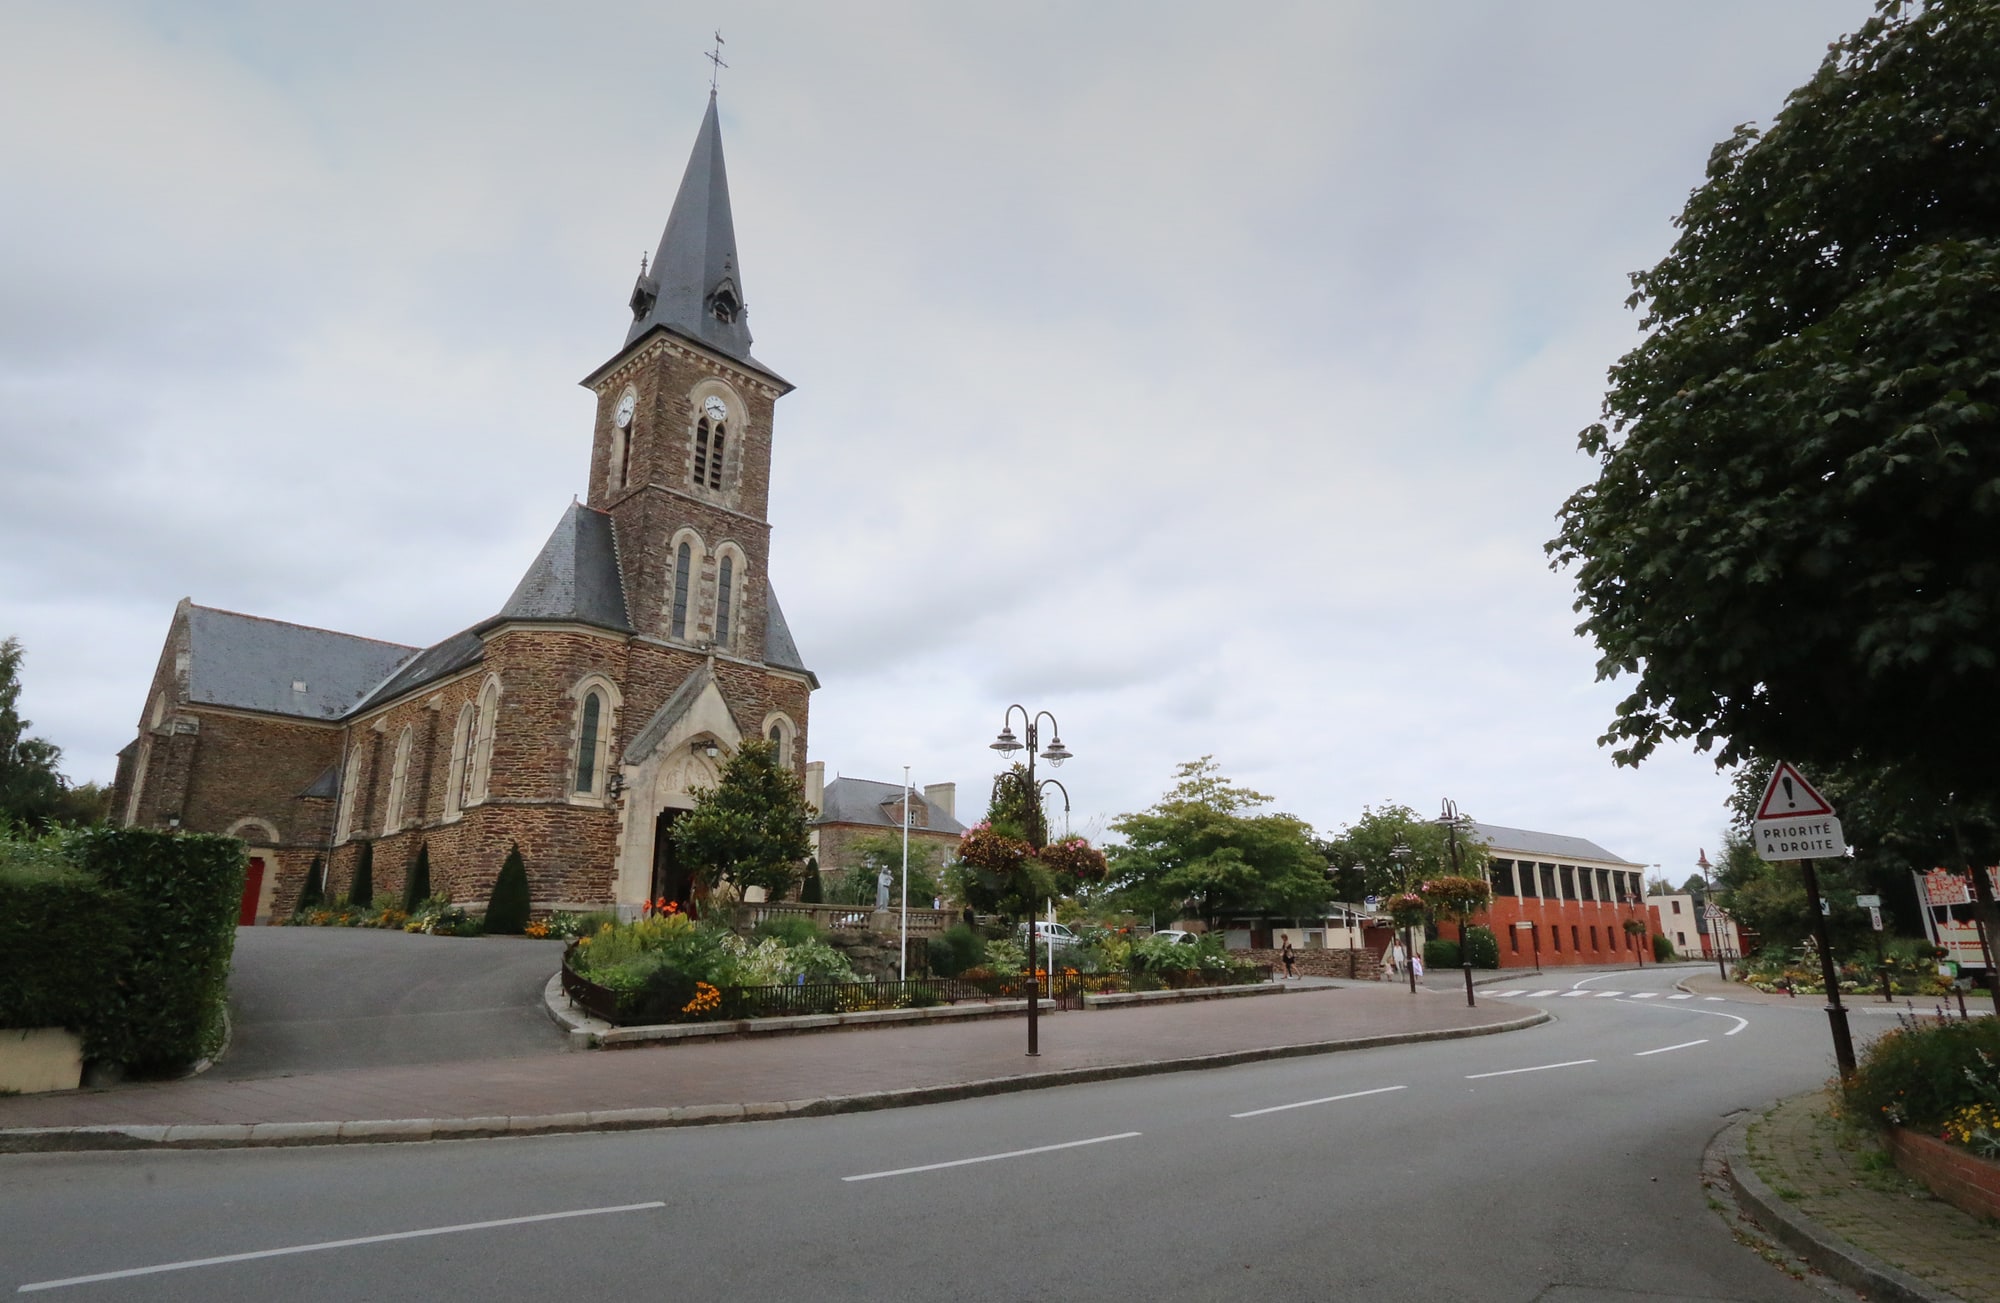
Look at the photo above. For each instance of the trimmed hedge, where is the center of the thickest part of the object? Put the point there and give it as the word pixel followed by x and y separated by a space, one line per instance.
pixel 507 908
pixel 123 936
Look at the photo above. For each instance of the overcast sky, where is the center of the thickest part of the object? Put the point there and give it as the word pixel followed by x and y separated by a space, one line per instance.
pixel 1206 374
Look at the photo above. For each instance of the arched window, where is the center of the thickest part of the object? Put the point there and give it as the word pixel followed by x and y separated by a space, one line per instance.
pixel 586 742
pixel 399 782
pixel 480 781
pixel 778 730
pixel 461 752
pixel 683 576
pixel 350 780
pixel 725 594
pixel 709 434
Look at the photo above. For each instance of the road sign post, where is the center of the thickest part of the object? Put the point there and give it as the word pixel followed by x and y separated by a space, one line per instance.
pixel 1794 822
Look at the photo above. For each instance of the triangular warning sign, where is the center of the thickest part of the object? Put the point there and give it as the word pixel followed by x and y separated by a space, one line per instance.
pixel 1790 796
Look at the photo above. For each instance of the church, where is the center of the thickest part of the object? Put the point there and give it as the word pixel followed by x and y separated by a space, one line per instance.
pixel 642 646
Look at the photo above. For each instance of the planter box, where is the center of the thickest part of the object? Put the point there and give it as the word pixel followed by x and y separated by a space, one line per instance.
pixel 36 1059
pixel 1957 1176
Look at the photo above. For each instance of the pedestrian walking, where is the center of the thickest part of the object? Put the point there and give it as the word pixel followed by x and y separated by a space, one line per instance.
pixel 1286 955
pixel 1417 965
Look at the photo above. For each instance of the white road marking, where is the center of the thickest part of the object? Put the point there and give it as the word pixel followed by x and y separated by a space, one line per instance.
pixel 1573 1063
pixel 1716 998
pixel 1741 1023
pixel 1680 995
pixel 337 1244
pixel 1646 995
pixel 1596 977
pixel 1506 993
pixel 990 1158
pixel 1308 1103
pixel 1664 1048
pixel 1539 995
pixel 1571 995
pixel 1607 995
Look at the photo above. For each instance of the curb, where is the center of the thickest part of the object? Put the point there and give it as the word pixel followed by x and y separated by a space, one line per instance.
pixel 264 1135
pixel 1822 1248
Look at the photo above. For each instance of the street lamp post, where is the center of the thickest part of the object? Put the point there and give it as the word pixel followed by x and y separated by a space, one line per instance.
pixel 1400 852
pixel 1007 744
pixel 1711 916
pixel 1451 820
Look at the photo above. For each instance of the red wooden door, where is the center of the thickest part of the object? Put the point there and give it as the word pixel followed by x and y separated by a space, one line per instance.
pixel 253 887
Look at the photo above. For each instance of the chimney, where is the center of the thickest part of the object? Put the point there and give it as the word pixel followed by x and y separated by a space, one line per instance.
pixel 942 796
pixel 816 785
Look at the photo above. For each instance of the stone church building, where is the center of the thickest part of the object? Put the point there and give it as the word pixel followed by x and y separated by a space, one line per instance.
pixel 640 649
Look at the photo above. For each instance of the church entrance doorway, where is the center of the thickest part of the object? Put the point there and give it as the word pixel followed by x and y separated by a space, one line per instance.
pixel 253 890
pixel 671 881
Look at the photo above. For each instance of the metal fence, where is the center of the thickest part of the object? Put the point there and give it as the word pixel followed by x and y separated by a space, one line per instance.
pixel 845 918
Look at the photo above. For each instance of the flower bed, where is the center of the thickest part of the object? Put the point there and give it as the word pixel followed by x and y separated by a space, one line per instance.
pixel 1957 1176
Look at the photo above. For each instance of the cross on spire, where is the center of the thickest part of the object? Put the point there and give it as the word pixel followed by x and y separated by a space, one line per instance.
pixel 715 57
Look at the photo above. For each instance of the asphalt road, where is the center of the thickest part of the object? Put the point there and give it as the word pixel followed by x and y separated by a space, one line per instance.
pixel 312 999
pixel 1560 1163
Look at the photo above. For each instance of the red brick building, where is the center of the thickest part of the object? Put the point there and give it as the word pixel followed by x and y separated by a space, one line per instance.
pixel 1573 896
pixel 640 648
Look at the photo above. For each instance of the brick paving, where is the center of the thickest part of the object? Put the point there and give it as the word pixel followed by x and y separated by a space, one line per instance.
pixel 1847 1185
pixel 773 1069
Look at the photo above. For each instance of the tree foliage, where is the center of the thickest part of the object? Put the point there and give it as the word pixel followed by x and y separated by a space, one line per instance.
pixel 1201 848
pixel 750 828
pixel 1362 865
pixel 1788 547
pixel 32 790
pixel 875 852
pixel 508 905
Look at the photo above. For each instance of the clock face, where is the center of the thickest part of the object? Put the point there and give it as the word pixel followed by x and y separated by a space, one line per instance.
pixel 628 403
pixel 715 408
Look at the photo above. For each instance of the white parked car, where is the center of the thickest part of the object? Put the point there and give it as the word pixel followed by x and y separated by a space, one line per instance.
pixel 1052 934
pixel 1177 936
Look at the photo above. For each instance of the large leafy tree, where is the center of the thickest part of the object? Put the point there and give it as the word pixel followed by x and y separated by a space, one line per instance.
pixel 1362 865
pixel 1789 545
pixel 750 828
pixel 32 790
pixel 878 851
pixel 1202 847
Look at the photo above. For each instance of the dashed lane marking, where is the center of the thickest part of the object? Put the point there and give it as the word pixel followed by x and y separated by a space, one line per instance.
pixel 1607 995
pixel 1718 999
pixel 990 1158
pixel 337 1244
pixel 1664 1048
pixel 1544 1067
pixel 1308 1103
pixel 1680 995
pixel 1540 995
pixel 1646 995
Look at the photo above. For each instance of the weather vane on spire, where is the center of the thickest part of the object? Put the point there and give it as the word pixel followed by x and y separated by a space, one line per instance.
pixel 715 57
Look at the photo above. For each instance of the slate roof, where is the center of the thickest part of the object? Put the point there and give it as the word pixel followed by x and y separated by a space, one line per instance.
pixel 575 576
pixel 463 648
pixel 250 663
pixel 1544 845
pixel 859 800
pixel 697 256
pixel 780 652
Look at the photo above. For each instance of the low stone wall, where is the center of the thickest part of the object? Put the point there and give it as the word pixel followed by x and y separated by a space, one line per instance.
pixel 1362 965
pixel 1960 1178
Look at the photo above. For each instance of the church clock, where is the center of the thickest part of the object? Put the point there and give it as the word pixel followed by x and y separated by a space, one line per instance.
pixel 628 403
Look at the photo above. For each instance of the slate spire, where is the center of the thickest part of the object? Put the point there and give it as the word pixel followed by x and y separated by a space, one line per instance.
pixel 694 286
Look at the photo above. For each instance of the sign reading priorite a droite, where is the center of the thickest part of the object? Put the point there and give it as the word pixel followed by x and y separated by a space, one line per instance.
pixel 1794 822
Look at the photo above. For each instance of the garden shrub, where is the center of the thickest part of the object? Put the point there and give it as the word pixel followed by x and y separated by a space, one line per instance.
pixel 663 995
pixel 1485 947
pixel 956 950
pixel 417 883
pixel 66 938
pixel 170 996
pixel 313 892
pixel 790 929
pixel 812 891
pixel 1921 1074
pixel 1440 952
pixel 361 891
pixel 507 908
pixel 1663 949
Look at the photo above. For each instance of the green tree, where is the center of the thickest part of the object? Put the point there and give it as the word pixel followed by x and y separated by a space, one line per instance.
pixel 750 828
pixel 1359 857
pixel 878 851
pixel 417 886
pixel 812 888
pixel 1200 847
pixel 1788 547
pixel 31 789
pixel 508 906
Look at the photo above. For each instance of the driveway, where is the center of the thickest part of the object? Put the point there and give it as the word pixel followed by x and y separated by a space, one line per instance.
pixel 314 999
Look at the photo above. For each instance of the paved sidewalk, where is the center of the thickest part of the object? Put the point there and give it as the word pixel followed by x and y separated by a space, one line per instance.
pixel 837 1071
pixel 1831 1201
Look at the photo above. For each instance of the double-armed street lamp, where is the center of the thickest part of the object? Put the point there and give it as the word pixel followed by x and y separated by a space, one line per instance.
pixel 1007 744
pixel 1453 821
pixel 1711 916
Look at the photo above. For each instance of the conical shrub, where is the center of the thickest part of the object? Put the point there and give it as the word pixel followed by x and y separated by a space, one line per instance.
pixel 362 890
pixel 507 907
pixel 315 889
pixel 812 891
pixel 417 887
